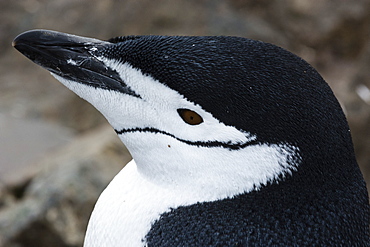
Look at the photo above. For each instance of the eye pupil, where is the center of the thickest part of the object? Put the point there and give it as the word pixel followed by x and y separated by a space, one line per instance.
pixel 190 117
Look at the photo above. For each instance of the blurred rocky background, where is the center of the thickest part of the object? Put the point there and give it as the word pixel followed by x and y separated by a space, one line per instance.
pixel 57 153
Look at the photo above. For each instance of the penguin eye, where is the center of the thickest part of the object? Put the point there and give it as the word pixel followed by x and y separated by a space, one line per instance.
pixel 190 117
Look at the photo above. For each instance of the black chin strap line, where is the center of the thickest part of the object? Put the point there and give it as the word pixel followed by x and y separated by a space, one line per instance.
pixel 209 144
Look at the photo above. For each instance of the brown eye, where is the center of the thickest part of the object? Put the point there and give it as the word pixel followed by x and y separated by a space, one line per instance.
pixel 190 117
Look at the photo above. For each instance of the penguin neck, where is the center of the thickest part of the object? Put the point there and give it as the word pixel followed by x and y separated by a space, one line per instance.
pixel 210 172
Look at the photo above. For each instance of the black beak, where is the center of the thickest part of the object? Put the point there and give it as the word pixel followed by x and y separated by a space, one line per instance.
pixel 71 57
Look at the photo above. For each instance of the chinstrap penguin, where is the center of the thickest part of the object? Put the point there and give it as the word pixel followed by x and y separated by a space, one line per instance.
pixel 235 142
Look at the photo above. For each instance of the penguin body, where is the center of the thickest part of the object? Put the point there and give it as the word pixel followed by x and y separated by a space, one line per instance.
pixel 234 141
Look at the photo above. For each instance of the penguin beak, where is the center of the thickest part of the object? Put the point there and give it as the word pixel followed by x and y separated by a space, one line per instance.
pixel 71 57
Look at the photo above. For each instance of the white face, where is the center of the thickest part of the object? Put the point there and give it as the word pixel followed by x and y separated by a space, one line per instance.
pixel 165 148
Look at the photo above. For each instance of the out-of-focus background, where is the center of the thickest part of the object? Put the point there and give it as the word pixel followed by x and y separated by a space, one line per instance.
pixel 57 153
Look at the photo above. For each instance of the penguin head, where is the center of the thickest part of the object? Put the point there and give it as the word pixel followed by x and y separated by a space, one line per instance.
pixel 226 113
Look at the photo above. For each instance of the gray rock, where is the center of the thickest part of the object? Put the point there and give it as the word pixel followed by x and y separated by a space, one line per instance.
pixel 57 202
pixel 22 142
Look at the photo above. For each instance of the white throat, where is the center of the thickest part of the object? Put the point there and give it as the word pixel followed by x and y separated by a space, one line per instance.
pixel 212 172
pixel 139 194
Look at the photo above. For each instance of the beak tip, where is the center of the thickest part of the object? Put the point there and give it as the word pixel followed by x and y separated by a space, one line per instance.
pixel 17 40
pixel 25 37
